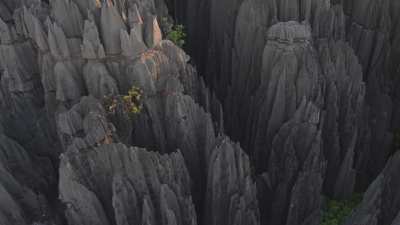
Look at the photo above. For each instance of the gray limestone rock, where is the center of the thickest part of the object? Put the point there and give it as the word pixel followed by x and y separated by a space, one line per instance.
pixel 308 87
pixel 67 15
pixel 296 170
pixel 373 33
pixel 344 103
pixel 170 121
pixel 152 32
pixel 289 73
pixel 84 125
pixel 69 83
pixel 10 212
pixel 99 82
pixel 231 193
pixel 92 47
pixel 380 204
pixel 22 97
pixel 20 179
pixel 132 45
pixel 111 26
pixel 127 186
pixel 69 62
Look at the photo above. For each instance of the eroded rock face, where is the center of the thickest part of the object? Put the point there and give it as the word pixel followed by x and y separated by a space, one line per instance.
pixel 308 88
pixel 79 57
pixel 344 101
pixel 126 186
pixel 369 28
pixel 375 39
pixel 292 68
pixel 293 183
pixel 345 67
pixel 84 125
pixel 231 193
pixel 288 74
pixel 380 204
pixel 23 185
pixel 41 95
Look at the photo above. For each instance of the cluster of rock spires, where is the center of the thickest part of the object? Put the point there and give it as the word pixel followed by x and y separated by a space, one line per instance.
pixel 59 60
pixel 308 89
pixel 263 57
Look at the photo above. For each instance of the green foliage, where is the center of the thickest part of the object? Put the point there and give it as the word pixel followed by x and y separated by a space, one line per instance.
pixel 130 103
pixel 177 35
pixel 337 211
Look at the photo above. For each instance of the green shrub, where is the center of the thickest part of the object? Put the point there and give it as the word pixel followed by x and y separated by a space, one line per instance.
pixel 130 103
pixel 337 211
pixel 177 35
pixel 133 101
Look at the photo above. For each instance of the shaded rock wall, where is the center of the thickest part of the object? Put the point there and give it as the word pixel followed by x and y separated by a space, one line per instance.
pixel 293 183
pixel 307 89
pixel 231 193
pixel 380 204
pixel 341 56
pixel 238 61
pixel 105 49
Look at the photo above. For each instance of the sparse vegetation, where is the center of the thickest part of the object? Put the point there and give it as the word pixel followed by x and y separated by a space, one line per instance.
pixel 177 35
pixel 130 103
pixel 337 211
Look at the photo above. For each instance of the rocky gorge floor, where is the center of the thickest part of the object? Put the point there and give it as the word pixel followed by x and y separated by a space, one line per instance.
pixel 272 110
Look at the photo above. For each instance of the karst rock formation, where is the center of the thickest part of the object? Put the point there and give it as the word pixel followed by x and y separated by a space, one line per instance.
pixel 270 108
